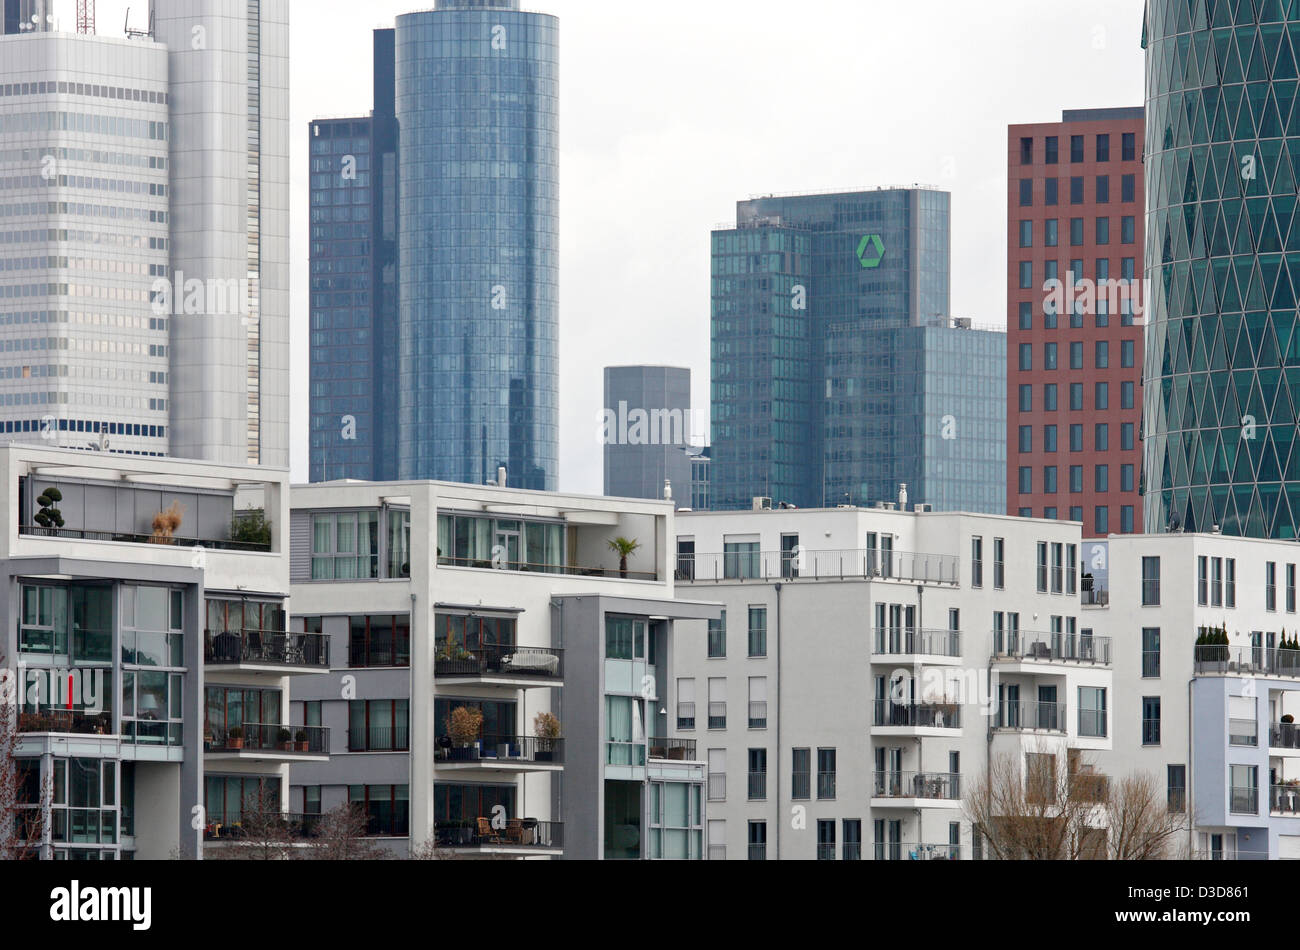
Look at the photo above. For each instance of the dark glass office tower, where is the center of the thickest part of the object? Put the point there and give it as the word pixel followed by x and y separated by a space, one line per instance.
pixel 1222 380
pixel 815 380
pixel 478 239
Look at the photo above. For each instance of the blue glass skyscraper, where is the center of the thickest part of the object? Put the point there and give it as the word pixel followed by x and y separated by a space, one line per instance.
pixel 464 318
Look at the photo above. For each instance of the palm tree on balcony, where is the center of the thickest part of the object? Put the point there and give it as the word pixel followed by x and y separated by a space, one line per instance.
pixel 624 548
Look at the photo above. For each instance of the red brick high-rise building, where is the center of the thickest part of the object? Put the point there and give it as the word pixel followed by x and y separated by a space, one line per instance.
pixel 1075 209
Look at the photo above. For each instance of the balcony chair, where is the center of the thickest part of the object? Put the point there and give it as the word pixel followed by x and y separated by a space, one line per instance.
pixel 486 833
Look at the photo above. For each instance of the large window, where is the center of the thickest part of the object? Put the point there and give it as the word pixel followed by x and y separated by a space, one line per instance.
pixel 456 632
pixel 500 717
pixel 380 640
pixel 758 631
pixel 1151 720
pixel 740 559
pixel 505 543
pixel 378 725
pixel 1150 652
pixel 1092 711
pixel 624 721
pixel 228 797
pixel 676 829
pixel 386 807
pixel 717 645
pixel 84 802
pixel 625 639
pixel 345 545
pixel 75 621
pixel 229 707
pixel 454 804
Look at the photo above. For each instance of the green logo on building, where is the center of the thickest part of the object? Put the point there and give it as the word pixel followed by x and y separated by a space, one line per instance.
pixel 871 251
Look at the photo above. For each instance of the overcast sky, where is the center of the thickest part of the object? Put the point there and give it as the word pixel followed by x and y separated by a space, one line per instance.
pixel 670 112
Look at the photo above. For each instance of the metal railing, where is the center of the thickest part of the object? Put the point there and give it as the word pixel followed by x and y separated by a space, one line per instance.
pixel 122 537
pixel 905 851
pixel 1257 661
pixel 685 715
pixel 945 786
pixel 673 750
pixel 493 748
pixel 853 851
pixel 758 715
pixel 920 715
pixel 801 785
pixel 758 852
pixel 66 722
pixel 898 641
pixel 717 852
pixel 907 566
pixel 717 786
pixel 1243 800
pixel 378 738
pixel 1284 799
pixel 1032 716
pixel 1284 735
pixel 280 738
pixel 1150 731
pixel 757 786
pixel 1051 647
pixel 271 647
pixel 498 659
pixel 538 568
pixel 825 785
pixel 493 833
pixel 825 851
pixel 717 715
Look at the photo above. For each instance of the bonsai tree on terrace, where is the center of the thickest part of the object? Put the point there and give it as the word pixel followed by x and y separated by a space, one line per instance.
pixel 49 516
pixel 624 548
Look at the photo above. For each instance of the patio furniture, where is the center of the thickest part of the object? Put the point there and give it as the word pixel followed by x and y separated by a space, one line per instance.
pixel 532 661
pixel 486 833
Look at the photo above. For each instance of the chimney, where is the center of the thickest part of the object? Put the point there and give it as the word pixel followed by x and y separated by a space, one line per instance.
pixel 902 497
pixel 668 489
pixel 501 476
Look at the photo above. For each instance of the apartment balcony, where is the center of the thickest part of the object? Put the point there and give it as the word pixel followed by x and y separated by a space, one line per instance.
pixel 1284 738
pixel 500 754
pixel 915 719
pixel 673 750
pixel 1026 716
pixel 916 790
pixel 518 837
pixel 1284 800
pixel 882 565
pixel 66 722
pixel 272 651
pixel 1217 660
pixel 508 665
pixel 121 537
pixel 1029 651
pixel 566 570
pixel 891 645
pixel 243 829
pixel 274 742
pixel 907 851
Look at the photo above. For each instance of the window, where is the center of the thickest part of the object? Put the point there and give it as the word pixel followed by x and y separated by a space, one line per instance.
pixel 1076 397
pixel 825 840
pixel 1092 711
pixel 999 564
pixel 740 559
pixel 1101 396
pixel 1103 148
pixel 1049 397
pixel 1150 652
pixel 1051 192
pixel 1027 151
pixel 1049 480
pixel 1126 439
pixel 1176 784
pixel 1076 437
pixel 1126 353
pixel 1042 567
pixel 758 841
pixel 1026 233
pixel 1230 590
pixel 462 639
pixel 1026 397
pixel 718 637
pixel 1126 519
pixel 1243 784
pixel 1076 480
pixel 1125 394
pixel 227 797
pixel 1202 581
pixel 757 775
pixel 1127 230
pixel 1103 237
pixel 1026 192
pixel 717 775
pixel 1049 438
pixel 1216 582
pixel 758 631
pixel 976 562
pixel 1270 586
pixel 1076 238
pixel 1026 316
pixel 1103 189
pixel 1076 149
pixel 1150 582
pixel 257 713
pixel 1076 355
pixel 1290 588
pixel 1071 569
pixel 717 703
pixel 1101 354
pixel 825 774
pixel 685 559
pixel 1076 512
pixel 1150 720
pixel 1101 478
pixel 386 807
pixel 1101 436
pixel 1049 356
pixel 382 725
pixel 1026 438
pixel 801 774
pixel 1051 232
pixel 1076 190
pixel 676 829
pixel 1026 480
pixel 1127 268
pixel 1051 150
pixel 1101 519
pixel 1128 147
pixel 1058 567
pixel 685 703
pixel 385 640
pixel 345 545
pixel 852 839
pixel 1026 275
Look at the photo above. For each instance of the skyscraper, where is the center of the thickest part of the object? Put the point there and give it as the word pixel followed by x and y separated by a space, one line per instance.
pixel 1074 333
pixel 1223 345
pixel 144 299
pixel 647 432
pixel 473 89
pixel 816 299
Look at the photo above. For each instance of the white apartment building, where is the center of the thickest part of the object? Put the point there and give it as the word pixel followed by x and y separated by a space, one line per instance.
pixel 869 664
pixel 1214 722
pixel 147 667
pixel 458 615
pixel 144 235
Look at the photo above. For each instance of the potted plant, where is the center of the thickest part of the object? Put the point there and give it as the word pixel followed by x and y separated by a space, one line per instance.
pixel 49 516
pixel 165 525
pixel 285 738
pixel 301 738
pixel 624 548
pixel 464 726
pixel 235 738
pixel 547 728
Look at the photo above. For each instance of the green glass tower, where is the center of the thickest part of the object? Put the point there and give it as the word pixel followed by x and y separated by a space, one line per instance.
pixel 1222 377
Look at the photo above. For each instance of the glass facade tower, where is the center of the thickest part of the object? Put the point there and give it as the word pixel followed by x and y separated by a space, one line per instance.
pixel 1222 383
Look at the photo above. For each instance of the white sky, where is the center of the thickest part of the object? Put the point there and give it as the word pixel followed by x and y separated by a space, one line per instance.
pixel 672 111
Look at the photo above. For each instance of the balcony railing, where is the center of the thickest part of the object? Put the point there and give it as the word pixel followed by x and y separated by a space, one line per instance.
pixel 1284 735
pixel 1051 647
pixel 493 748
pixel 897 641
pixel 717 715
pixel 717 786
pixel 1247 661
pixel 930 785
pixel 292 827
pixel 801 784
pixel 919 715
pixel 758 715
pixel 853 851
pixel 378 738
pixel 758 852
pixel 907 566
pixel 825 851
pixel 122 537
pixel 1284 799
pixel 491 833
pixel 537 568
pixel 1243 800
pixel 67 722
pixel 280 738
pixel 825 785
pixel 271 647
pixel 757 786
pixel 1031 716
pixel 904 851
pixel 717 852
pixel 498 659
pixel 673 750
